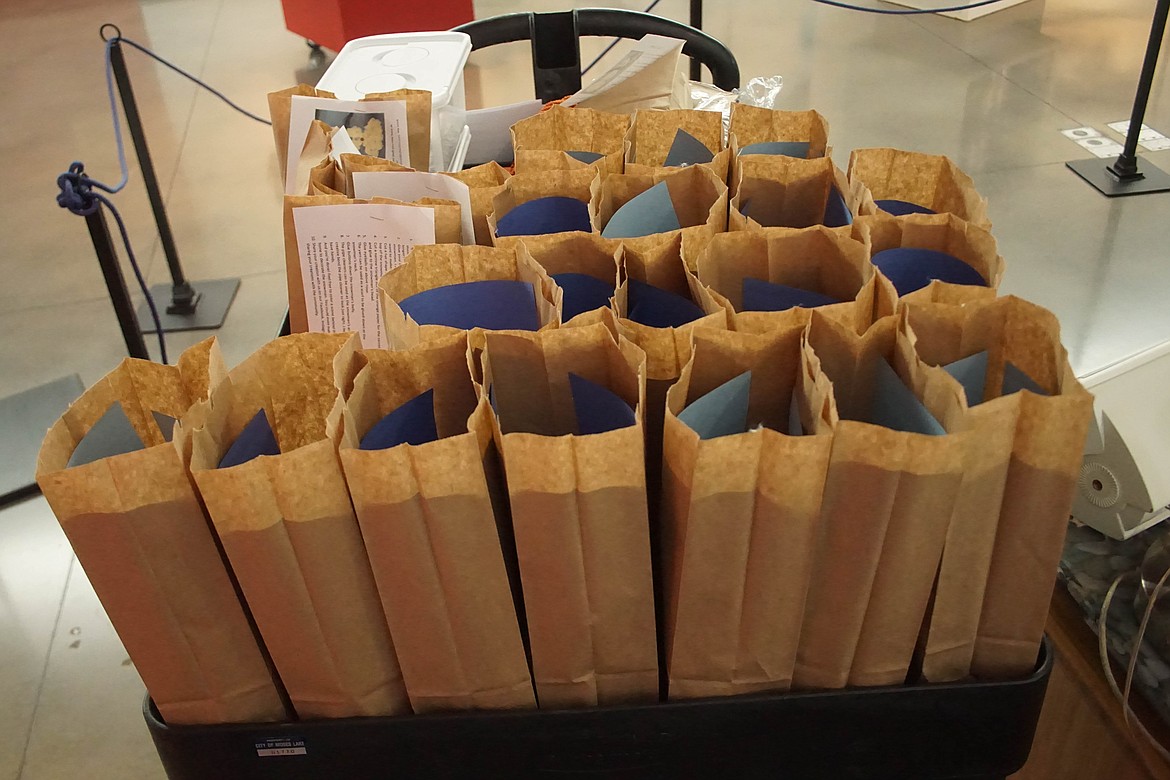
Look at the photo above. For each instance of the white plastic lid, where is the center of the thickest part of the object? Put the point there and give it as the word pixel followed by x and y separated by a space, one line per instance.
pixel 382 63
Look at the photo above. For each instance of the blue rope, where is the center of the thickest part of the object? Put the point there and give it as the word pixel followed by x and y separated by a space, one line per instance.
pixel 77 190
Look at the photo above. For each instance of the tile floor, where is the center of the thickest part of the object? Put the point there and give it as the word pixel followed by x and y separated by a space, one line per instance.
pixel 993 94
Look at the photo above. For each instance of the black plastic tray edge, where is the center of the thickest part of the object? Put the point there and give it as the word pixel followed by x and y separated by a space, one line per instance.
pixel 1043 669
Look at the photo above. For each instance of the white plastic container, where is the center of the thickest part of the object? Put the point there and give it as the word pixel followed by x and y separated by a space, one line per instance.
pixel 426 60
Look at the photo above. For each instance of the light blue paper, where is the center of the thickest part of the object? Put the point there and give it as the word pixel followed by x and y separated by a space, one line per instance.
pixel 721 412
pixel 759 295
pixel 599 409
pixel 646 214
pixel 166 424
pixel 545 215
pixel 657 308
pixel 901 208
pixel 493 304
pixel 411 423
pixel 797 149
pixel 1015 380
pixel 255 440
pixel 911 268
pixel 896 407
pixel 686 150
pixel 971 373
pixel 113 434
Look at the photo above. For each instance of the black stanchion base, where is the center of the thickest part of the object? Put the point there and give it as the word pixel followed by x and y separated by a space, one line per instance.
pixel 215 298
pixel 24 418
pixel 1095 172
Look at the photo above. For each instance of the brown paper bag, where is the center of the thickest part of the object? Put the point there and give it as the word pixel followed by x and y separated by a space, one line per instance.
pixel 578 512
pixel 816 259
pixel 941 232
pixel 652 133
pixel 928 180
pixel 431 531
pixel 1041 479
pixel 779 191
pixel 741 517
pixel 429 267
pixel 289 530
pixel 418 120
pixel 575 253
pixel 523 188
pixel 141 536
pixel 448 216
pixel 888 497
pixel 699 197
pixel 540 141
pixel 485 182
pixel 755 125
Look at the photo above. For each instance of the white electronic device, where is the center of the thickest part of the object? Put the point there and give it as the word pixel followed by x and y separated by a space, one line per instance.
pixel 1124 485
pixel 427 60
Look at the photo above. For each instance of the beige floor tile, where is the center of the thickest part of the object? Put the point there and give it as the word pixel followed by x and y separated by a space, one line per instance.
pixel 34 563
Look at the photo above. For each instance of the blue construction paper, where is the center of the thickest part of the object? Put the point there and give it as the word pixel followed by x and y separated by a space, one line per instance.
pixel 911 269
pixel 657 308
pixel 837 212
pixel 795 426
pixel 586 157
pixel 721 412
pixel 494 304
pixel 599 409
pixel 411 423
pixel 545 215
pixel 686 150
pixel 901 208
pixel 166 424
pixel 112 434
pixel 650 212
pixel 759 295
pixel 1015 380
pixel 971 372
pixel 780 148
pixel 255 440
pixel 582 293
pixel 896 407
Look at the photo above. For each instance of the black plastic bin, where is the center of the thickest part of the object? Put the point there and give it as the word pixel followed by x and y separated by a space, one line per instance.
pixel 964 730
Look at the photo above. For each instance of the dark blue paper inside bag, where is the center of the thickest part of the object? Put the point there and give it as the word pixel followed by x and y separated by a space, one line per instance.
pixel 255 440
pixel 911 269
pixel 687 150
pixel 585 157
pixel 598 409
pixel 759 295
pixel 971 373
pixel 545 215
pixel 721 412
pixel 494 304
pixel 657 308
pixel 112 434
pixel 582 293
pixel 779 148
pixel 895 406
pixel 411 423
pixel 647 213
pixel 837 212
pixel 900 208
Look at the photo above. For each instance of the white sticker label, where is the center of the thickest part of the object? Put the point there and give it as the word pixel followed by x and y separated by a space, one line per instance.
pixel 281 747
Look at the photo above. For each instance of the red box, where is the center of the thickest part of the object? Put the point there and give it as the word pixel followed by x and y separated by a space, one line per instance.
pixel 332 23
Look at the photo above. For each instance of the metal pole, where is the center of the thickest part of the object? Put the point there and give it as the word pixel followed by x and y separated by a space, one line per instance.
pixel 697 23
pixel 1125 167
pixel 103 246
pixel 183 298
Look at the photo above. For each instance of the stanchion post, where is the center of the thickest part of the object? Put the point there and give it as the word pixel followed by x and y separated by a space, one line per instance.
pixel 103 247
pixel 697 23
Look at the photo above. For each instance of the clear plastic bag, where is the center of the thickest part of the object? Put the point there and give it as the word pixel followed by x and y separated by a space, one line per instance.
pixel 761 91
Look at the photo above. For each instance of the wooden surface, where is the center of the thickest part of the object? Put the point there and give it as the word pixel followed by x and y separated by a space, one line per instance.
pixel 1082 734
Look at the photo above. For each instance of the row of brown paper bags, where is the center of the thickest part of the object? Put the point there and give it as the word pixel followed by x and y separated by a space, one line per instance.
pixel 759 191
pixel 711 274
pixel 436 576
pixel 640 144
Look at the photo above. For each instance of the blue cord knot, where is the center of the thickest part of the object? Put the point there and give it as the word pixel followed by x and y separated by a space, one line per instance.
pixel 77 191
